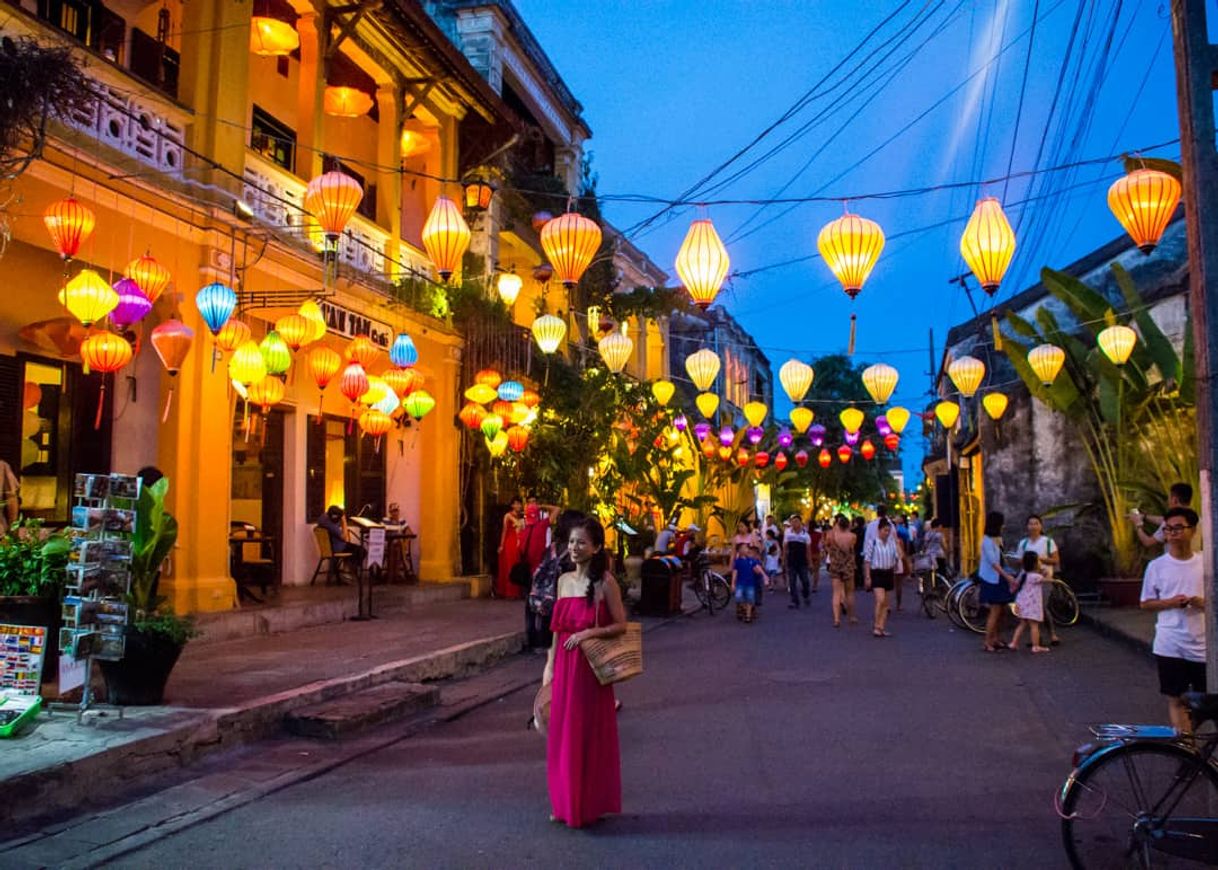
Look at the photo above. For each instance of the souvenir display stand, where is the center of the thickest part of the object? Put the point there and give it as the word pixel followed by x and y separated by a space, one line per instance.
pixel 22 648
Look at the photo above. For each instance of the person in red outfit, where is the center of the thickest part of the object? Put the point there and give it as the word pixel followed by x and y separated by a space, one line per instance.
pixel 509 551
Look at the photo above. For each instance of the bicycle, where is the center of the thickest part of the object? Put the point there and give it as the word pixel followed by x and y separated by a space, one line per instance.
pixel 934 586
pixel 1144 796
pixel 1061 604
pixel 710 587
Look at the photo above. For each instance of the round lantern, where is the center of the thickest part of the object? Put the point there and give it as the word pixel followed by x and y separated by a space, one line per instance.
pixel 707 404
pixel 403 382
pixel 1116 342
pixel 801 418
pixel 481 393
pixel 311 311
pixel 390 405
pixel 277 354
pixel 295 330
pixel 948 413
pixel 70 224
pixel 540 219
pixel 892 441
pixel 703 367
pixel 988 243
pixel 271 37
pixel 852 419
pixel 150 275
pixel 216 303
pixel 742 457
pixel 171 340
pixel 843 454
pixel 247 364
pixel 364 351
pixel 503 409
pixel 1144 201
pixel 850 247
pixel 471 415
pixel 816 435
pixel 680 423
pixel 966 373
pixel 725 453
pixel 796 379
pixel 702 262
pixel 518 438
pixel 88 297
pixel 761 459
pixel 332 198
pixel 1046 360
pixel 549 332
pixel 880 380
pixel 570 241
pixel 702 430
pixel 445 236
pixel 374 423
pixel 509 284
pixel 824 459
pixel 755 412
pixel 755 434
pixel 867 449
pixel 530 398
pixel 377 391
pixel 265 393
pixel 132 306
pixel 419 404
pixel 510 391
pixel 801 458
pixel 897 418
pixel 346 102
pixel 785 439
pixel 615 349
pixel 726 436
pixel 354 382
pixel 995 404
pixel 491 425
pixel 663 391
pixel 489 377
pixel 104 352
pixel 522 414
pixel 780 461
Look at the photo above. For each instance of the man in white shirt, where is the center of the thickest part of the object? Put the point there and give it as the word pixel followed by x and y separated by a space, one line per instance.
pixel 881 513
pixel 1174 587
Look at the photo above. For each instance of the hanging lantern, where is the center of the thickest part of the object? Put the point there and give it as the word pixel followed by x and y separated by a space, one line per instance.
pixel 663 391
pixel 522 414
pixel 1144 201
pixel 489 377
pixel 1046 360
pixel 867 449
pixel 216 303
pixel 471 415
pixel 824 459
pixel 615 349
pixel 852 419
pixel 801 418
pixel 725 453
pixel 570 241
pixel 966 373
pixel 478 194
pixel 171 340
pixel 755 434
pixel 995 404
pixel 363 351
pixel 680 423
pixel 726 436
pixel 897 418
pixel 549 332
pixel 1116 342
pixel 892 441
pixel 510 391
pixel 403 382
pixel 413 143
pixel 780 461
pixel 332 198
pixel 346 102
pixel 390 405
pixel 419 404
pixel 850 246
pixel 948 413
pixel 801 458
pixel 132 305
pixel 796 379
pixel 852 438
pixel 881 425
pixel 445 237
pixel 70 224
pixel 324 364
pixel 88 297
pixel 491 425
pixel 247 365
pixel 150 275
pixel 497 445
pixel 270 37
pixel 702 263
pixel 785 439
pixel 742 457
pixel 377 391
pixel 530 398
pixel 703 368
pixel 880 380
pixel 755 412
pixel 31 395
pixel 761 459
pixel 276 353
pixel 844 453
pixel 104 352
pixel 518 438
pixel 354 382
pixel 481 393
pixel 375 424
pixel 266 393
pixel 707 404
pixel 702 430
pixel 509 284
pixel 295 330
pixel 311 311
pixel 988 243
pixel 503 409
pixel 816 435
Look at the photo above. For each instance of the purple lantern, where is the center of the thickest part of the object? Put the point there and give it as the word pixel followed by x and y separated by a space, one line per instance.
pixel 726 436
pixel 816 433
pixel 680 423
pixel 852 438
pixel 784 437
pixel 132 306
pixel 755 434
pixel 702 430
pixel 881 425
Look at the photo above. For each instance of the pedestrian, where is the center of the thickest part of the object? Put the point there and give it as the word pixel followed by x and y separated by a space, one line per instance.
pixel 743 536
pixel 1174 587
pixel 839 546
pixel 997 584
pixel 858 528
pixel 773 561
pixel 540 603
pixel 1179 495
pixel 879 562
pixel 1029 602
pixel 746 576
pixel 535 538
pixel 509 551
pixel 1050 558
pixel 903 567
pixel 797 553
pixel 881 513
pixel 933 545
pixel 815 553
pixel 583 757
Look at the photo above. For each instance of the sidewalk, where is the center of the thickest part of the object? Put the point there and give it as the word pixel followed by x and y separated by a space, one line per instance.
pixel 1129 625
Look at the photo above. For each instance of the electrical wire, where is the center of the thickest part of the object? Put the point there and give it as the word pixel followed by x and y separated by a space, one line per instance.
pixel 1023 88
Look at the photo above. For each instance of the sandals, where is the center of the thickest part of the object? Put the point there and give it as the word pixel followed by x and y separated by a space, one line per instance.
pixel 877 632
pixel 1040 649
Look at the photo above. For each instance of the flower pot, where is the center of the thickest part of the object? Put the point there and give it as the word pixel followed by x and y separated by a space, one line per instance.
pixel 36 610
pixel 1121 591
pixel 139 678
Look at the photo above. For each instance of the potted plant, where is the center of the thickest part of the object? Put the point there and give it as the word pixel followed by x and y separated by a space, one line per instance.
pixel 155 634
pixel 32 569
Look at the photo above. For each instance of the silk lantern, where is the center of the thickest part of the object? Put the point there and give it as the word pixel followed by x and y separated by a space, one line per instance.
pixel 801 458
pixel 497 445
pixel 311 311
pixel 276 353
pixel 850 247
pixel 403 382
pixel 413 143
pixel 104 352
pixel 663 391
pixel 1144 201
pixel 725 453
pixel 332 198
pixel 508 285
pixel 892 441
pixel 824 459
pixel 503 409
pixel 216 303
pixel 247 364
pixel 266 393
pixel 755 412
pixel 897 418
pixel 796 379
pixel 353 384
pixel 419 404
pixel 755 434
pixel 342 101
pixel 377 391
pixel 702 262
pixel 852 419
pixel 570 241
pixel 363 351
pixel 702 430
pixel 1116 341
pixel 816 435
pixel 1046 360
pixel 510 391
pixel 133 306
pixel 518 438
pixel 172 340
pixel 530 398
pixel 780 461
pixel 488 377
pixel 726 436
pixel 491 425
pixel 375 424
pixel 471 415
pixel 867 449
pixel 801 418
pixel 271 37
pixel 680 422
pixel 703 368
pixel 324 363
pixel 481 393
pixel 852 438
pixel 88 297
pixel 150 275
pixel 295 330
pixel 988 243
pixel 761 459
pixel 615 349
pixel 843 454
pixel 880 380
pixel 995 404
pixel 881 425
pixel 785 439
pixel 70 224
pixel 742 457
pixel 445 237
pixel 549 332
pixel 966 373
pixel 707 404
pixel 948 413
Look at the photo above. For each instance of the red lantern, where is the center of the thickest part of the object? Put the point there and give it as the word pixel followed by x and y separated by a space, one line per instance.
pixel 324 364
pixel 708 449
pixel 780 461
pixel 471 415
pixel 171 340
pixel 70 224
pixel 844 453
pixel 104 352
pixel 354 384
pixel 892 441
pixel 518 438
pixel 867 449
pixel 742 457
pixel 801 458
pixel 762 459
pixel 825 458
pixel 490 377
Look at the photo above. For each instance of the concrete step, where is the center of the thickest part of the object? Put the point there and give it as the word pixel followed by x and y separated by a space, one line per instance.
pixel 343 716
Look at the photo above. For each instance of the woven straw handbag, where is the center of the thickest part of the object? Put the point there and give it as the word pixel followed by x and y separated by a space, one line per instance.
pixel 616 659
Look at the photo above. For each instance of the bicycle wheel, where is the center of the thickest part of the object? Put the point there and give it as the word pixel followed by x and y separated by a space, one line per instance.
pixel 1062 603
pixel 972 612
pixel 700 591
pixel 929 594
pixel 721 590
pixel 943 587
pixel 953 603
pixel 1141 805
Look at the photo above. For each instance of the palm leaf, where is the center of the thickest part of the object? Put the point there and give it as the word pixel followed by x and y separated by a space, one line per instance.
pixel 1157 344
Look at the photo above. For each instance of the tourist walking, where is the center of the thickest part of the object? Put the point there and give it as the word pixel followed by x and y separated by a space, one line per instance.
pixel 509 551
pixel 858 526
pixel 1046 550
pixel 1029 602
pixel 539 606
pixel 797 546
pixel 816 554
pixel 839 546
pixel 773 558
pixel 583 762
pixel 747 577
pixel 880 560
pixel 934 546
pixel 997 584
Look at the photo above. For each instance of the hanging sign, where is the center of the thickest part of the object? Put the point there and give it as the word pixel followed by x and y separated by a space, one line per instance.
pixel 348 323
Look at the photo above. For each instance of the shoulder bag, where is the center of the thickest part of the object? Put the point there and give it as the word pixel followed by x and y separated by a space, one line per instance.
pixel 615 659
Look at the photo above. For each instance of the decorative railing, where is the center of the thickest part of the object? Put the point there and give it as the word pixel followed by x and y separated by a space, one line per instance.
pixel 133 127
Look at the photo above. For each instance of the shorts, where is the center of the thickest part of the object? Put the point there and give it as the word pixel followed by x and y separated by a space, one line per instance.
pixel 1177 676
pixel 746 593
pixel 996 593
pixel 882 578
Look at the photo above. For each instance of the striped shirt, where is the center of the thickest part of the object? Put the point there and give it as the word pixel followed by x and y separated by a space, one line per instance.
pixel 881 555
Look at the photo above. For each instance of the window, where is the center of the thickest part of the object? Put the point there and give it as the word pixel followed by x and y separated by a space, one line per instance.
pixel 273 140
pixel 345 469
pixel 154 62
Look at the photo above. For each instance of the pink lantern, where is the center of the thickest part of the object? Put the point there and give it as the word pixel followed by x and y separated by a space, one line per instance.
pixel 172 340
pixel 132 306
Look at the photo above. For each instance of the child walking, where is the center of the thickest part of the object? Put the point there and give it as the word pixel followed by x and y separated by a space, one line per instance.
pixel 747 576
pixel 1029 602
pixel 773 567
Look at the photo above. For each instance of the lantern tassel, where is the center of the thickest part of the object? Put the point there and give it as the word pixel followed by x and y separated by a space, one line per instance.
pixel 853 331
pixel 245 416
pixel 168 402
pixel 321 398
pixel 376 445
pixel 262 435
pixel 215 353
pixel 101 401
pixel 997 334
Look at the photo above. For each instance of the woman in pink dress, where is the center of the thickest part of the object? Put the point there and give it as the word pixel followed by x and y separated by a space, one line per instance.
pixel 509 551
pixel 583 764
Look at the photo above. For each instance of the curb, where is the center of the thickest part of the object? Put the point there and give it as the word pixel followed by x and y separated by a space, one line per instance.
pixel 1110 631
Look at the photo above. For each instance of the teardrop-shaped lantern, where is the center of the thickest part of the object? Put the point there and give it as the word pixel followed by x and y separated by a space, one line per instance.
pixel 742 457
pixel 332 199
pixel 133 306
pixel 104 352
pixel 88 297
pixel 755 413
pixel 497 445
pixel 880 380
pixel 761 459
pixel 311 311
pixel 570 241
pixel 702 262
pixel 785 438
pixel 726 436
pixel 364 351
pixel 702 430
pixel 272 37
pixel 1046 360
pixel 481 394
pixel 966 373
pixel 754 434
pixel 824 459
pixel 70 224
pixel 801 458
pixel 518 438
pixel 852 419
pixel 1144 201
pixel 796 379
pixel 948 413
pixel 295 330
pixel 276 353
pixel 247 365
pixel 615 349
pixel 801 418
pixel 509 284
pixel 867 449
pixel 892 441
pixel 549 332
pixel 324 363
pixel 988 243
pixel 707 404
pixel 172 340
pixel 491 425
pixel 471 415
pixel 816 434
pixel 1115 341
pixel 843 454
pixel 780 461
pixel 850 246
pixel 354 382
pixel 995 404
pixel 897 418
pixel 703 368
pixel 419 404
pixel 445 236
pixel 150 275
pixel 216 303
pixel 663 391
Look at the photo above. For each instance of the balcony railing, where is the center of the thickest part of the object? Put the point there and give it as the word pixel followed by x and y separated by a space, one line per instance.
pixel 135 128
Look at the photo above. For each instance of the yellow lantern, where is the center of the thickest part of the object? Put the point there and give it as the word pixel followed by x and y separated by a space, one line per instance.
pixel 549 332
pixel 796 379
pixel 988 243
pixel 663 391
pixel 1046 360
pixel 495 446
pixel 1144 201
pixel 294 329
pixel 703 367
pixel 850 247
pixel 247 365
pixel 852 419
pixel 702 262
pixel 708 404
pixel 232 335
pixel 481 393
pixel 266 392
pixel 270 37
pixel 995 404
pixel 755 413
pixel 948 413
pixel 445 236
pixel 880 380
pixel 88 297
pixel 897 418
pixel 414 143
pixel 801 419
pixel 509 285
pixel 966 373
pixel 311 312
pixel 1117 343
pixel 345 102
pixel 615 349
pixel 570 242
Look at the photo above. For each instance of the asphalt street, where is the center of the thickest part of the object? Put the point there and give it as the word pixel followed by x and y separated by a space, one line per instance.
pixel 786 743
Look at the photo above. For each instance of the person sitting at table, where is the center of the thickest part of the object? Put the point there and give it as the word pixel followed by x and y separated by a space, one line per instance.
pixel 334 521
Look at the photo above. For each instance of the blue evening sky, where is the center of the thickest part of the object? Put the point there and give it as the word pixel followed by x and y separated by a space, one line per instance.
pixel 671 88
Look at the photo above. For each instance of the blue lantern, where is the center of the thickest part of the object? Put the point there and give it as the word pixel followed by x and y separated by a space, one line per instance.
pixel 403 353
pixel 511 391
pixel 216 303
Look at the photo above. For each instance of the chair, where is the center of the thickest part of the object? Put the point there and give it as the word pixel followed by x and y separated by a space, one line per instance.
pixel 249 563
pixel 327 558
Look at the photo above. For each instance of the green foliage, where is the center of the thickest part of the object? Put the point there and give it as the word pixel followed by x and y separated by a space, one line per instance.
pixel 156 531
pixel 39 83
pixel 650 303
pixel 1171 167
pixel 32 561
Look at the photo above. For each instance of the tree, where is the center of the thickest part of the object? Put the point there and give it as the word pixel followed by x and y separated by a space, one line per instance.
pixel 38 83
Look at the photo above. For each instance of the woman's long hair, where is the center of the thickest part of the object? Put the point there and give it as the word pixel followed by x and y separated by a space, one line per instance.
pixel 568 520
pixel 600 560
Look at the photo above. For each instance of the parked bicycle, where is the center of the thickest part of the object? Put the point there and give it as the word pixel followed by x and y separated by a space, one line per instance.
pixel 934 585
pixel 711 588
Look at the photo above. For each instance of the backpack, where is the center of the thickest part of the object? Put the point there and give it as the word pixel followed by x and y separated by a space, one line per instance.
pixel 545 585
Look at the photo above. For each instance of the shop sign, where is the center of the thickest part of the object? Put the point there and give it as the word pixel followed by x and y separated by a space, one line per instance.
pixel 348 323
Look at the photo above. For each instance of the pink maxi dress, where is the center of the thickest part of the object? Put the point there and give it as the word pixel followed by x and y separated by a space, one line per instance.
pixel 583 761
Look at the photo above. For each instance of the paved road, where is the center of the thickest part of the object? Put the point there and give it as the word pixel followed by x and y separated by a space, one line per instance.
pixel 782 744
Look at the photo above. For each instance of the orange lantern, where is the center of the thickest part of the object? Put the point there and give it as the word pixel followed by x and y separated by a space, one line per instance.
pixel 332 199
pixel 104 352
pixel 267 392
pixel 375 424
pixel 850 247
pixel 324 364
pixel 502 408
pixel 445 236
pixel 824 458
pixel 530 398
pixel 363 351
pixel 708 448
pixel 518 438
pixel 271 37
pixel 742 457
pixel 345 102
pixel 489 377
pixel 1144 201
pixel 702 262
pixel 70 224
pixel 570 241
pixel 171 340
pixel 232 335
pixel 295 330
pixel 471 415
pixel 988 243
pixel 149 275
pixel 844 453
pixel 403 382
pixel 867 449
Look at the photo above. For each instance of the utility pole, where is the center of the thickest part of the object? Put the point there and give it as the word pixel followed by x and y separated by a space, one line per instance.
pixel 1196 65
